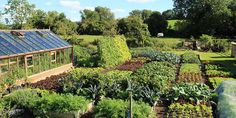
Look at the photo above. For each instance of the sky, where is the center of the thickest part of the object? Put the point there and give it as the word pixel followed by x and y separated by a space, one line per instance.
pixel 121 8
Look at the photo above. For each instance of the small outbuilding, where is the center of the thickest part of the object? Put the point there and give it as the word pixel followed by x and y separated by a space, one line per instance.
pixel 33 54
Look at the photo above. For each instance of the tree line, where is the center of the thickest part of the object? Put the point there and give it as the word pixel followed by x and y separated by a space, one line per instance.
pixel 196 17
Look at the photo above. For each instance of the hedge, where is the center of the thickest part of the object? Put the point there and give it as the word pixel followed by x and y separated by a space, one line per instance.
pixel 113 51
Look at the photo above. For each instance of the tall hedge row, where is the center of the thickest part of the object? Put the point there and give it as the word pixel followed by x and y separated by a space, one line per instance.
pixel 113 51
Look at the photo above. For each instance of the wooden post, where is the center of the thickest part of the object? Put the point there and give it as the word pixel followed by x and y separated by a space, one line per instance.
pixel 26 69
pixel 72 55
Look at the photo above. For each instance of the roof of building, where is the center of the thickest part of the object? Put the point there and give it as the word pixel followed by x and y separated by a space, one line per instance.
pixel 16 42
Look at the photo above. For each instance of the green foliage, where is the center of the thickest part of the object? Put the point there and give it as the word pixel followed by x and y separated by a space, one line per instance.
pixel 158 56
pixel 213 67
pixel 216 81
pixel 41 102
pixel 213 70
pixel 119 109
pixel 156 23
pixel 134 29
pixel 190 110
pixel 218 73
pixel 97 22
pixel 193 93
pixel 61 104
pixel 156 75
pixel 226 106
pixel 212 17
pixel 20 11
pixel 92 83
pixel 190 57
pixel 84 57
pixel 190 68
pixel 113 51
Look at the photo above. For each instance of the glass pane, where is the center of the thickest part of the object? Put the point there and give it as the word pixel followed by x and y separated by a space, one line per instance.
pixel 42 42
pixel 18 43
pixel 29 61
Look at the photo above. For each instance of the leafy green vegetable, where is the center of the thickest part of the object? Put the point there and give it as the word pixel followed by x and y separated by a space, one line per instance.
pixel 190 57
pixel 197 93
pixel 112 108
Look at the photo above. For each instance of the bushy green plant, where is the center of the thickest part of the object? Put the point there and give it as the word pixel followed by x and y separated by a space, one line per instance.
pixel 41 102
pixel 213 67
pixel 159 56
pixel 61 104
pixel 92 83
pixel 113 51
pixel 190 68
pixel 190 110
pixel 156 75
pixel 218 73
pixel 193 93
pixel 112 108
pixel 190 57
pixel 216 81
pixel 84 57
pixel 206 42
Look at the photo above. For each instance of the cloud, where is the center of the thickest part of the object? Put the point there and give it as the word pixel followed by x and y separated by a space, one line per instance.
pixel 73 4
pixel 118 10
pixel 140 1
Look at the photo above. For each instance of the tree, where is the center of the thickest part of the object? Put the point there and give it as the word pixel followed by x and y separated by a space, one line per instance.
pixel 50 19
pixel 206 16
pixel 169 14
pixel 156 23
pixel 37 20
pixel 134 29
pixel 143 14
pixel 97 22
pixel 20 11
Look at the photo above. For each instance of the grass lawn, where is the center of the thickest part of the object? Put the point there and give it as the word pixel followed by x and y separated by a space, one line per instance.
pixel 89 38
pixel 222 58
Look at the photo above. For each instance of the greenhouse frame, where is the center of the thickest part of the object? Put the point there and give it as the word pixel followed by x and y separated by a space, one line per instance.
pixel 33 54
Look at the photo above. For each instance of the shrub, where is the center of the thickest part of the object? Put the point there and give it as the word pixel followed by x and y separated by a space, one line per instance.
pixel 193 93
pixel 190 68
pixel 113 51
pixel 220 45
pixel 119 109
pixel 41 102
pixel 206 42
pixel 190 57
pixel 216 81
pixel 189 110
pixel 156 75
pixel 159 56
pixel 84 57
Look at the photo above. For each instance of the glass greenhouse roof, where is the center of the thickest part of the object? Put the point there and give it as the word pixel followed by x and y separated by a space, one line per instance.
pixel 11 43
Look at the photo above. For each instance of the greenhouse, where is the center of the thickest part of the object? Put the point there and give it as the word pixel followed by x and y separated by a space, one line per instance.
pixel 26 53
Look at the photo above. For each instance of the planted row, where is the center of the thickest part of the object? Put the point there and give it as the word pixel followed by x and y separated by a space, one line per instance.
pixel 45 103
pixel 159 56
pixel 190 57
pixel 177 110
